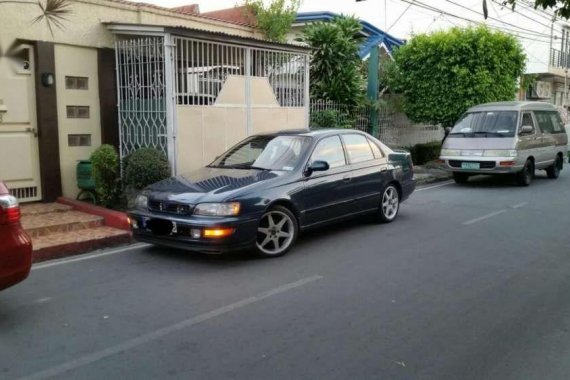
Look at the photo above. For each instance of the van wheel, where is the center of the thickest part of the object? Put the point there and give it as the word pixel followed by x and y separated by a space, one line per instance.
pixel 525 176
pixel 460 178
pixel 553 171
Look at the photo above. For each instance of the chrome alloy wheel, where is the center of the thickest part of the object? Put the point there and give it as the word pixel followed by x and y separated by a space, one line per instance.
pixel 390 203
pixel 275 233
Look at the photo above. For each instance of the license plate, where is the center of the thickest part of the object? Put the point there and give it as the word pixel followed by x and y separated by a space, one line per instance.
pixel 470 165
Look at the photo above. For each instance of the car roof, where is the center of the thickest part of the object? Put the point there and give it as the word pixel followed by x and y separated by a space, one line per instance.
pixel 311 132
pixel 513 106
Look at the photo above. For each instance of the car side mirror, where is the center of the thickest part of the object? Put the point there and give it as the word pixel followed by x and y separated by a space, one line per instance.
pixel 526 130
pixel 317 166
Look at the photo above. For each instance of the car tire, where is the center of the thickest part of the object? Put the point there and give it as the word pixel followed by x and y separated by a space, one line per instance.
pixel 389 204
pixel 553 171
pixel 277 231
pixel 461 178
pixel 526 175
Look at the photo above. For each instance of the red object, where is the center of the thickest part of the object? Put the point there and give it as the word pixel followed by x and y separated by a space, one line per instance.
pixel 115 219
pixel 15 244
pixel 507 163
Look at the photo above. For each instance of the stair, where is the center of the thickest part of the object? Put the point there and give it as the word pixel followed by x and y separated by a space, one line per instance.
pixel 57 230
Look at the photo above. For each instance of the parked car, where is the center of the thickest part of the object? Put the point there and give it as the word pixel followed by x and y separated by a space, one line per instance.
pixel 265 190
pixel 514 138
pixel 16 245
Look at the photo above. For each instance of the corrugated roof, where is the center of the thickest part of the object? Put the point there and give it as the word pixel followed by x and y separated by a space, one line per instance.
pixel 240 15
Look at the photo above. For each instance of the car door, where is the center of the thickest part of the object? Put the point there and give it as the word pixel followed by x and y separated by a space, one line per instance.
pixel 530 144
pixel 327 195
pixel 369 170
pixel 548 144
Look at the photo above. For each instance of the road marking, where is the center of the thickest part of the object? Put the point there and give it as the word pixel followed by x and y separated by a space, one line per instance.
pixel 88 257
pixel 519 205
pixel 157 334
pixel 435 186
pixel 486 216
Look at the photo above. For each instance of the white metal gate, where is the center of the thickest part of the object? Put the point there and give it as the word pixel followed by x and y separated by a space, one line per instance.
pixel 142 94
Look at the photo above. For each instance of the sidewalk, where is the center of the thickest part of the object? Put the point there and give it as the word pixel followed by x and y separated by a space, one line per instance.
pixel 431 172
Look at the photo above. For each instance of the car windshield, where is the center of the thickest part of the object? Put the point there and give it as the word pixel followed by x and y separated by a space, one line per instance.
pixel 265 153
pixel 486 124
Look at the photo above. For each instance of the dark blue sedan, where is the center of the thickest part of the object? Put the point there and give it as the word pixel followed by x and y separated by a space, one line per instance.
pixel 262 192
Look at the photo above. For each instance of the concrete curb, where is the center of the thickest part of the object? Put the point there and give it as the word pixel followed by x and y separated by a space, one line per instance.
pixel 115 219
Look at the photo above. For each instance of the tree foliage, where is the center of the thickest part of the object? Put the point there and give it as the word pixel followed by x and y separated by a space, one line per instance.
pixel 275 19
pixel 561 7
pixel 105 164
pixel 442 74
pixel 335 64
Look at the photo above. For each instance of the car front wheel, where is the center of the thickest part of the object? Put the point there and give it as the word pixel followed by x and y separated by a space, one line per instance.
pixel 276 232
pixel 389 204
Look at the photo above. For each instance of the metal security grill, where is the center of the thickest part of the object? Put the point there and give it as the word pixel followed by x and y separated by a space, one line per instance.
pixel 202 68
pixel 141 83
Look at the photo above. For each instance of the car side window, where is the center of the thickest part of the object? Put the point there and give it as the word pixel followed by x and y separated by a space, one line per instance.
pixel 543 121
pixel 527 120
pixel 557 123
pixel 331 151
pixel 375 149
pixel 358 148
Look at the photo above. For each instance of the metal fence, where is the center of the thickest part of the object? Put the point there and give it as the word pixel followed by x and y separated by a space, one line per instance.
pixel 394 128
pixel 559 58
pixel 202 67
pixel 141 90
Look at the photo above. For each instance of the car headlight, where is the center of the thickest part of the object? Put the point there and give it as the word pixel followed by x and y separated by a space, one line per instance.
pixel 217 209
pixel 450 152
pixel 500 153
pixel 141 201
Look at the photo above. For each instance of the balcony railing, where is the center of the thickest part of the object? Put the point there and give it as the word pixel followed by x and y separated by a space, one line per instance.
pixel 559 59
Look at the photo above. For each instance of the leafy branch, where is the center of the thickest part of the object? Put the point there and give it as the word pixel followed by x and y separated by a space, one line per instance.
pixel 52 11
pixel 275 19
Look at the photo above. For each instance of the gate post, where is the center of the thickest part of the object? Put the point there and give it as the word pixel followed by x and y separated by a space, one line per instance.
pixel 373 61
pixel 170 95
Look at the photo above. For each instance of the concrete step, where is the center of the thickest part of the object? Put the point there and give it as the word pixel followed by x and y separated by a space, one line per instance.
pixel 63 244
pixel 43 208
pixel 59 222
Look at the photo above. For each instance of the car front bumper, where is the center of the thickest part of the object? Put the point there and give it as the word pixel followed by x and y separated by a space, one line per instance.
pixel 482 165
pixel 243 236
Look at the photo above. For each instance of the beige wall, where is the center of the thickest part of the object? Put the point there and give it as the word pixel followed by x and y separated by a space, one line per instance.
pixel 76 61
pixel 206 132
pixel 84 24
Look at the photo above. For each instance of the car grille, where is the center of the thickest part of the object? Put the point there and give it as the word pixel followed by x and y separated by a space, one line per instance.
pixel 170 207
pixel 482 164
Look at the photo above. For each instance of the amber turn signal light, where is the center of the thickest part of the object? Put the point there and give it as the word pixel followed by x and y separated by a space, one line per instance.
pixel 217 232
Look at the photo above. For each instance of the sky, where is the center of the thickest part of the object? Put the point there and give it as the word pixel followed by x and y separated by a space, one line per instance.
pixel 402 20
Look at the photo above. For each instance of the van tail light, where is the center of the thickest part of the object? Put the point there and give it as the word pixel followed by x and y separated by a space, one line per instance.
pixel 9 210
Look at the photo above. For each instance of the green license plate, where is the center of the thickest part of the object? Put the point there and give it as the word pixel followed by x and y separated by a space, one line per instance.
pixel 470 165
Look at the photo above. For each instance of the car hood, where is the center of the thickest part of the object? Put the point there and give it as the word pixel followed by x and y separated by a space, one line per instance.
pixel 210 184
pixel 479 143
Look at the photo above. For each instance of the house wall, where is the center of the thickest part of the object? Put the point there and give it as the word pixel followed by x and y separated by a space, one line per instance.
pixel 84 24
pixel 80 62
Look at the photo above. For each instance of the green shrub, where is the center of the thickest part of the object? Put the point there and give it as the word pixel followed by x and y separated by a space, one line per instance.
pixel 105 164
pixel 332 119
pixel 144 167
pixel 423 153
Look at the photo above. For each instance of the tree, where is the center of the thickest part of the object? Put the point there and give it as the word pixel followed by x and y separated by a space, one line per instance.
pixel 562 6
pixel 275 19
pixel 441 75
pixel 335 64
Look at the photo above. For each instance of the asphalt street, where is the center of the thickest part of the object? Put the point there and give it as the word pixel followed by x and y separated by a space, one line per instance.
pixel 471 282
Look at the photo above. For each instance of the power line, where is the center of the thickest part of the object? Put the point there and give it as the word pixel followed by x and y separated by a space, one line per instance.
pixel 523 15
pixel 399 17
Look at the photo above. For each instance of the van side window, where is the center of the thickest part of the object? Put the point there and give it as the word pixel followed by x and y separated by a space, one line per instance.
pixel 557 123
pixel 527 120
pixel 544 122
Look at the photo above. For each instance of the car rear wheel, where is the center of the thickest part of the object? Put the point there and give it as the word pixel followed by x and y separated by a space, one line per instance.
pixel 389 204
pixel 460 178
pixel 276 232
pixel 525 176
pixel 554 170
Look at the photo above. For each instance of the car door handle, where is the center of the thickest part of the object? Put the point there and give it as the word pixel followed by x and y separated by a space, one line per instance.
pixel 346 178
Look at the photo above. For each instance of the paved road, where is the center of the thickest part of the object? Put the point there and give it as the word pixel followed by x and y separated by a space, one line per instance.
pixel 472 282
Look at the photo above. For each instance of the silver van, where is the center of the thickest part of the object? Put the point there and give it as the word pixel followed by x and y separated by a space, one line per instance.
pixel 506 138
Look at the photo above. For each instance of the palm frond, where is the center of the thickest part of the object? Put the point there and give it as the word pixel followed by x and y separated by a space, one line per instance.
pixel 53 12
